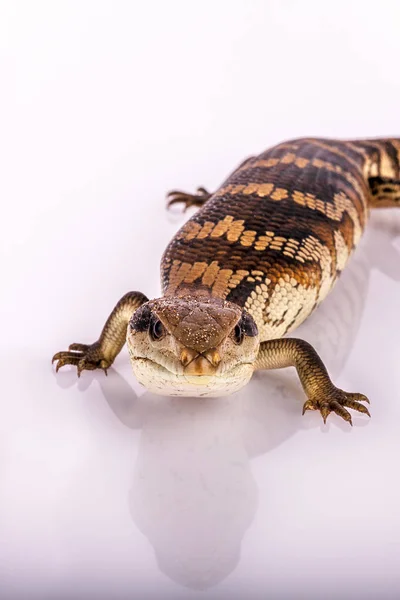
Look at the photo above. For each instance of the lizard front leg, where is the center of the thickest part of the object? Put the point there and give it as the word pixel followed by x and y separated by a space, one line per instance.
pixel 321 393
pixel 101 354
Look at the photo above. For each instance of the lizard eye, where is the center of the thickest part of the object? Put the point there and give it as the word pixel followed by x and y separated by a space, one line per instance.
pixel 246 326
pixel 157 330
pixel 238 334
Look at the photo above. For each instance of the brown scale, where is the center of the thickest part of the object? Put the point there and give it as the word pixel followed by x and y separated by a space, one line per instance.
pixel 286 169
pixel 284 220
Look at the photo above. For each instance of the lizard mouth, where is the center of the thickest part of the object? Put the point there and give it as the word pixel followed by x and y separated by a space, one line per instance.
pixel 157 367
pixel 159 379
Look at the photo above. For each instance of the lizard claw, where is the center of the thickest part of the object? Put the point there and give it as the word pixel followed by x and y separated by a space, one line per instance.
pixel 198 199
pixel 83 356
pixel 337 401
pixel 308 405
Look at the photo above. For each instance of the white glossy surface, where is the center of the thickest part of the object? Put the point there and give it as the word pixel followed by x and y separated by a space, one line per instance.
pixel 107 491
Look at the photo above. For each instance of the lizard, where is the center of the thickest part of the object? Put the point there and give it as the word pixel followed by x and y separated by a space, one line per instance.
pixel 247 268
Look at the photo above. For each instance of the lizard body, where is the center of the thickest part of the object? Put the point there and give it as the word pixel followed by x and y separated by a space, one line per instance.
pixel 261 253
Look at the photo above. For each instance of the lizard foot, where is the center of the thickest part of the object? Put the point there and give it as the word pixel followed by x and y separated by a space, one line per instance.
pixel 336 401
pixel 197 199
pixel 83 356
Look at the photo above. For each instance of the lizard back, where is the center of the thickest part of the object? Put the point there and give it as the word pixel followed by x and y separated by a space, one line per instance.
pixel 278 232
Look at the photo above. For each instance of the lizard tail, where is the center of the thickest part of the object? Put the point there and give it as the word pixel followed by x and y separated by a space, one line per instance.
pixel 382 169
pixel 385 192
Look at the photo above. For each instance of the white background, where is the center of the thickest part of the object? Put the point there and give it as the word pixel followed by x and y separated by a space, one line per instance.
pixel 107 491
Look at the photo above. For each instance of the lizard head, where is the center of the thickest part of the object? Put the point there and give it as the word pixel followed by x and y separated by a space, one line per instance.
pixel 192 346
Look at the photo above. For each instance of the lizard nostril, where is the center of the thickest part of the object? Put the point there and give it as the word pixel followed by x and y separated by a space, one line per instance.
pixel 213 356
pixel 186 357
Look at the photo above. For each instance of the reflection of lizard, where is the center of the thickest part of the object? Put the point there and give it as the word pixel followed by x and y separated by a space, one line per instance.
pixel 198 546
pixel 250 266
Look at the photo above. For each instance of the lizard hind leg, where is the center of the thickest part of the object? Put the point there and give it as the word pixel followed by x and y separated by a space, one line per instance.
pixel 202 195
pixel 101 354
pixel 198 199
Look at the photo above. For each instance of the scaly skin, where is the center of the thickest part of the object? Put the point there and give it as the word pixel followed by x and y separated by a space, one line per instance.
pixel 271 241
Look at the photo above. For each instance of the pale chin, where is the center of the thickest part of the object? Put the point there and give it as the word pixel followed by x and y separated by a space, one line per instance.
pixel 159 380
